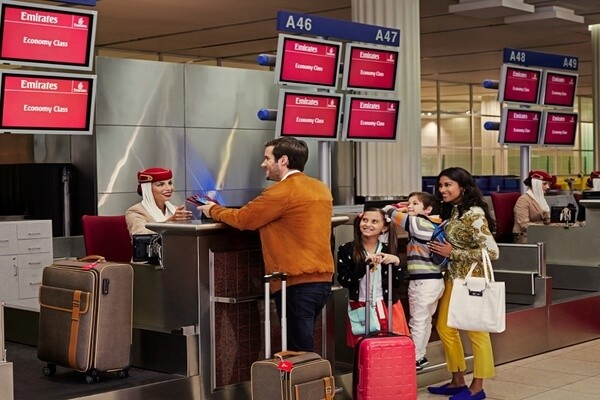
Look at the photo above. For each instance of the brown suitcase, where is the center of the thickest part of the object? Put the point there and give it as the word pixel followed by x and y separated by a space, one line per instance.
pixel 289 375
pixel 86 317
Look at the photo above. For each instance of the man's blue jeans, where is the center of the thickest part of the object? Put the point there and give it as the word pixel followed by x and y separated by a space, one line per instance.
pixel 304 304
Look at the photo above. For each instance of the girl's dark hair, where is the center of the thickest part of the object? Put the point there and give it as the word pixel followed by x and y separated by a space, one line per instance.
pixel 471 195
pixel 358 251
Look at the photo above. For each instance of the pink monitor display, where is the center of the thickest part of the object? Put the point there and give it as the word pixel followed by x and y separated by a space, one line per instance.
pixel 519 84
pixel 308 115
pixel 370 118
pixel 559 89
pixel 45 102
pixel 307 62
pixel 370 68
pixel 41 35
pixel 520 127
pixel 559 128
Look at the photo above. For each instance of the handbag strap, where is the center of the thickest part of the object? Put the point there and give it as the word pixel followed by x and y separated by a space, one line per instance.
pixel 486 265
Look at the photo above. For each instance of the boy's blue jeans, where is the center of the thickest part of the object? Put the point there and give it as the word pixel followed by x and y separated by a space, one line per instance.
pixel 304 304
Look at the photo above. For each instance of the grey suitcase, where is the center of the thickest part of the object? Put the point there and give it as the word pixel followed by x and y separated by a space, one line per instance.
pixel 289 375
pixel 86 317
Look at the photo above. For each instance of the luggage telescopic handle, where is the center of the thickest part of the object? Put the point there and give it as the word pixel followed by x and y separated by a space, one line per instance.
pixel 268 278
pixel 368 299
pixel 2 348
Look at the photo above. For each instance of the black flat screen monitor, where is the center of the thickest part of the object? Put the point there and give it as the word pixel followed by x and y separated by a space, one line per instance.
pixel 308 115
pixel 370 68
pixel 307 62
pixel 519 84
pixel 520 127
pixel 47 36
pixel 558 89
pixel 46 102
pixel 559 128
pixel 369 118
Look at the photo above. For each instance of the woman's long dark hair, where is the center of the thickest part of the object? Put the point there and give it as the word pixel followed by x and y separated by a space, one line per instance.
pixel 471 196
pixel 358 250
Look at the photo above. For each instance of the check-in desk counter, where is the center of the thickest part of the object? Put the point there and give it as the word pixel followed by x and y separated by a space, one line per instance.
pixel 200 313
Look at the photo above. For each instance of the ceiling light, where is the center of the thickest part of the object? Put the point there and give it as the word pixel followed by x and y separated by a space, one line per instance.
pixel 551 16
pixel 490 8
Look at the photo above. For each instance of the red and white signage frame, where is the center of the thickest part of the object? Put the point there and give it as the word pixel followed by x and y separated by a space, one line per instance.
pixel 507 92
pixel 551 139
pixel 40 35
pixel 371 130
pixel 47 102
pixel 568 89
pixel 312 118
pixel 527 121
pixel 316 62
pixel 368 67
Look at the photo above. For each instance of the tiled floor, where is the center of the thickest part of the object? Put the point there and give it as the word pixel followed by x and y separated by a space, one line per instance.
pixel 564 374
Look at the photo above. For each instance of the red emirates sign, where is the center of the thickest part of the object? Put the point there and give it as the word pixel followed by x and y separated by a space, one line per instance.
pixel 55 36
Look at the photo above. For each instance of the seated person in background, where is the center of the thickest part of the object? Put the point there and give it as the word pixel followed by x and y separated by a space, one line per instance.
pixel 531 207
pixel 593 182
pixel 155 185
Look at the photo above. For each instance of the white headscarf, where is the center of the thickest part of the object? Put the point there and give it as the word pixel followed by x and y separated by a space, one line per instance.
pixel 150 204
pixel 537 193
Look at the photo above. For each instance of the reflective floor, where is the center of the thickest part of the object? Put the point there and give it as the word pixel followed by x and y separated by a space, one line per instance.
pixel 569 373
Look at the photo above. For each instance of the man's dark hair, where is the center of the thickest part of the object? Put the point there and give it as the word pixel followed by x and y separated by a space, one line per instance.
pixel 295 150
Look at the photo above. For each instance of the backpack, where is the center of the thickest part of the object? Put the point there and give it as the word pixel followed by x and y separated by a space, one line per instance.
pixel 438 234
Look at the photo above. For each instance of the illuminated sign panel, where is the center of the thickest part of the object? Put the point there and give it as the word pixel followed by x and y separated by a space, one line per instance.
pixel 370 118
pixel 559 128
pixel 559 89
pixel 369 68
pixel 520 127
pixel 42 35
pixel 308 115
pixel 519 84
pixel 45 102
pixel 307 62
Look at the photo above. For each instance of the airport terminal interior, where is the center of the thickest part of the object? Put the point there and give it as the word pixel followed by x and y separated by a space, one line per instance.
pixel 177 85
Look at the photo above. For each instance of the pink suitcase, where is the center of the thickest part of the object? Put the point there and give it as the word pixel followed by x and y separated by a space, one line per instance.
pixel 384 362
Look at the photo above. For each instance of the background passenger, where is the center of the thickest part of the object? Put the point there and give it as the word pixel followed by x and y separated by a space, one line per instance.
pixel 293 217
pixel 531 207
pixel 155 185
pixel 593 182
pixel 468 230
pixel 353 257
pixel 426 284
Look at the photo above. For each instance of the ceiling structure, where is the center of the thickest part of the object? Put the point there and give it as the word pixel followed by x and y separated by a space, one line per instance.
pixel 461 41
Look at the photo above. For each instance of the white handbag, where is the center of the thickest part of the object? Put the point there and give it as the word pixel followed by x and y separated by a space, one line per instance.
pixel 478 304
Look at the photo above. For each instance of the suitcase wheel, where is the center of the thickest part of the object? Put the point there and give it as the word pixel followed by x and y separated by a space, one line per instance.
pixel 49 370
pixel 92 377
pixel 124 373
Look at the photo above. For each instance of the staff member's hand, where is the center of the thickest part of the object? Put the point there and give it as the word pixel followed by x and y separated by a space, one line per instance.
pixel 442 248
pixel 205 209
pixel 181 214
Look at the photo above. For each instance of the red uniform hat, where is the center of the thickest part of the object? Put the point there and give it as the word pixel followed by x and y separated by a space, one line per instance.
pixel 593 175
pixel 541 175
pixel 152 175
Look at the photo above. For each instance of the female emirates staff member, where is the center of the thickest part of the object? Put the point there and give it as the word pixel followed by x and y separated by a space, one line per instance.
pixel 531 207
pixel 155 185
pixel 468 230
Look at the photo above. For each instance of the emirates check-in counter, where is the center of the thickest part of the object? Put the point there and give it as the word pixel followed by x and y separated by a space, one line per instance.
pixel 199 313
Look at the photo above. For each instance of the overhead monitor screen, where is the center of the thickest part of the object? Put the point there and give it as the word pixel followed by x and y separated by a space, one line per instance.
pixel 45 102
pixel 370 118
pixel 559 128
pixel 40 35
pixel 370 68
pixel 520 127
pixel 559 89
pixel 307 62
pixel 308 115
pixel 519 84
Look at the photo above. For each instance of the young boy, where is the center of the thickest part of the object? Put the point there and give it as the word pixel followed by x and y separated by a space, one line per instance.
pixel 426 284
